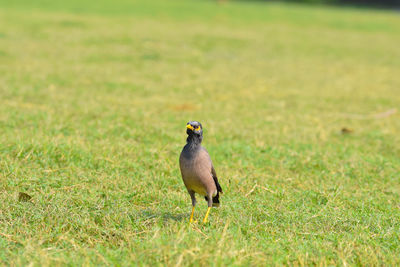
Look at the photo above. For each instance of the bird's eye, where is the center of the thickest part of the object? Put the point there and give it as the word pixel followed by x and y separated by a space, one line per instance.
pixel 197 128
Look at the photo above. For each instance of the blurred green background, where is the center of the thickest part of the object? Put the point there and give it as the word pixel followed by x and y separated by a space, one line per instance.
pixel 300 109
pixel 370 3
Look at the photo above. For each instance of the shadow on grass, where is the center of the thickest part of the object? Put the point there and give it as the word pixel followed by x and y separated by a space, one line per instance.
pixel 165 216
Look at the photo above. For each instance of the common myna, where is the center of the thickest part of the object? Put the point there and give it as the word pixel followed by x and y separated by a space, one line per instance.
pixel 197 170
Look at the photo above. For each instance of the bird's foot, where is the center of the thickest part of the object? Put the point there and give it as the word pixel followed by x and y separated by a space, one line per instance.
pixel 192 221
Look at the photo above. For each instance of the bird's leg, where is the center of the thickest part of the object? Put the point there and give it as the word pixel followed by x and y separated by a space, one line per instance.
pixel 193 197
pixel 191 215
pixel 210 202
pixel 205 217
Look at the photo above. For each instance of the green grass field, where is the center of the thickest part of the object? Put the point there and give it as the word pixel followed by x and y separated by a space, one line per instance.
pixel 94 99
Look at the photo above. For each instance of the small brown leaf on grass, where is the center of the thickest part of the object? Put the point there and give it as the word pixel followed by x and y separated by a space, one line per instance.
pixel 346 130
pixel 23 197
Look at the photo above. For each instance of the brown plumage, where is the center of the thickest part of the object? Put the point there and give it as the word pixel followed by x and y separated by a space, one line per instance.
pixel 197 170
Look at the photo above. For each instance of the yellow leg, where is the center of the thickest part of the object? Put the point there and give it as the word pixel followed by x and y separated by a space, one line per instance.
pixel 191 215
pixel 205 218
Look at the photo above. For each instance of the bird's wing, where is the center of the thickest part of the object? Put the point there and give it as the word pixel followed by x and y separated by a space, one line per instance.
pixel 214 175
pixel 213 172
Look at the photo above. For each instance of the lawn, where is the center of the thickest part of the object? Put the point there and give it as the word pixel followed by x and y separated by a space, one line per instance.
pixel 300 109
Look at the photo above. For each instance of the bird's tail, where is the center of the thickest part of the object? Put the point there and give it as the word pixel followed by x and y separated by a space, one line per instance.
pixel 219 190
pixel 216 200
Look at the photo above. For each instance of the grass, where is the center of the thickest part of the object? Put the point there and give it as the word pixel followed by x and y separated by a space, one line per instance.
pixel 94 98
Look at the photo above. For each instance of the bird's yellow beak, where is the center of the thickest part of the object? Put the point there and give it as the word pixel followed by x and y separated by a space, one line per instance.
pixel 188 126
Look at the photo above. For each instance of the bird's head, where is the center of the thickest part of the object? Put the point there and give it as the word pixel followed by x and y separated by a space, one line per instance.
pixel 194 128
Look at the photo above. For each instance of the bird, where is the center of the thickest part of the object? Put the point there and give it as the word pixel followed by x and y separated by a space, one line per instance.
pixel 198 173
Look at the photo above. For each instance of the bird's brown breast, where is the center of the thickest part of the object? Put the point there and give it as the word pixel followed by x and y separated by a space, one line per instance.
pixel 196 172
